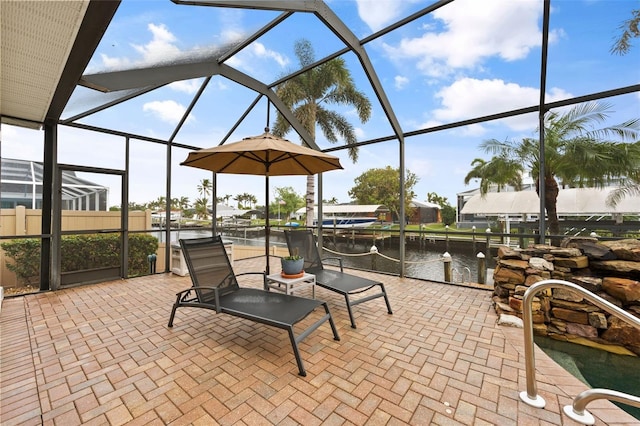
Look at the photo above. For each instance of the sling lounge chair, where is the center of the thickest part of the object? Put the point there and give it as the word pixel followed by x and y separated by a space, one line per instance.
pixel 303 243
pixel 215 287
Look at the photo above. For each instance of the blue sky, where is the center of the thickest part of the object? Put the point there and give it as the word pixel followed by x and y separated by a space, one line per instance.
pixel 470 58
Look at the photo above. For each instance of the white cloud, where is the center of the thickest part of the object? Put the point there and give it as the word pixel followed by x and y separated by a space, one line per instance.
pixel 169 111
pixel 379 13
pixel 186 86
pixel 161 48
pixel 470 97
pixel 260 51
pixel 248 59
pixel 400 81
pixel 473 31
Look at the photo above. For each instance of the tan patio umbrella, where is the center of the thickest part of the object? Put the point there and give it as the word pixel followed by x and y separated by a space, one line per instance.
pixel 265 155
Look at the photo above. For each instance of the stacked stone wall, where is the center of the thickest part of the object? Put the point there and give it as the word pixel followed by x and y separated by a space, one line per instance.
pixel 609 269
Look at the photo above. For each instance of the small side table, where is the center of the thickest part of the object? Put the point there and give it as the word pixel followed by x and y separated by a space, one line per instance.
pixel 289 285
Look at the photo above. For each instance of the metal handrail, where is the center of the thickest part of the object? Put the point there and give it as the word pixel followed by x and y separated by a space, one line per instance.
pixel 578 410
pixel 530 396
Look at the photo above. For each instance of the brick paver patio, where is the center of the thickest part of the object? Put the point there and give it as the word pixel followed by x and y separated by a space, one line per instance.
pixel 103 354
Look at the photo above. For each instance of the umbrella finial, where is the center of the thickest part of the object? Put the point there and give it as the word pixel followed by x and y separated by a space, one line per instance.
pixel 266 129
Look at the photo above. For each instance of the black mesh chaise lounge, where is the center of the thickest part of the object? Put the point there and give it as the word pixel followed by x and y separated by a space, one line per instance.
pixel 303 243
pixel 215 287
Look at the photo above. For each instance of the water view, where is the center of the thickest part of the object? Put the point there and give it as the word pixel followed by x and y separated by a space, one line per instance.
pixel 423 262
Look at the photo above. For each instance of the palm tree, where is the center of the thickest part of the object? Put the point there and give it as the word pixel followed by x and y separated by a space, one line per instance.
pixel 205 187
pixel 308 94
pixel 499 171
pixel 576 155
pixel 332 200
pixel 183 203
pixel 630 187
pixel 629 29
pixel 252 199
pixel 201 207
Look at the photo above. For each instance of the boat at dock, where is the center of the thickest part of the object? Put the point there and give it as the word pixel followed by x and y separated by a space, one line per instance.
pixel 346 222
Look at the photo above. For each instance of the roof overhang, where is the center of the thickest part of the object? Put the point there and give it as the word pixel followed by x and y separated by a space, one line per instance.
pixel 45 47
pixel 572 201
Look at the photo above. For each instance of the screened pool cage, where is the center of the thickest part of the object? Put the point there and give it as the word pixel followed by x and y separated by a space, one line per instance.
pixel 22 181
pixel 79 95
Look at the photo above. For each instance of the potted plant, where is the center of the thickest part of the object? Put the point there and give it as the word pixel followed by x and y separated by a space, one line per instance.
pixel 292 264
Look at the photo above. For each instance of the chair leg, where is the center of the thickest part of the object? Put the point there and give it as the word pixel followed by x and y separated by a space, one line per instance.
pixel 386 299
pixel 353 322
pixel 173 314
pixel 296 352
pixel 333 325
pixel 173 311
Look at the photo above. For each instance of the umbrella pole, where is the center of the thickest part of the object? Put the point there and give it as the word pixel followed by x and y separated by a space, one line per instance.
pixel 267 228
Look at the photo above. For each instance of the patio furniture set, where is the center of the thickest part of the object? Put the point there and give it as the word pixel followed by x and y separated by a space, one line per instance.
pixel 215 286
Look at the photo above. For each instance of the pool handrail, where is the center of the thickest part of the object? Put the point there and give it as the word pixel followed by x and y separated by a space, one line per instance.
pixel 530 396
pixel 578 410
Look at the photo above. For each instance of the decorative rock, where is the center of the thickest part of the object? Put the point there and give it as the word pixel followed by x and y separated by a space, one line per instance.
pixel 541 264
pixel 628 249
pixel 510 321
pixel 598 320
pixel 514 264
pixel 593 249
pixel 516 304
pixel 520 289
pixel 575 241
pixel 593 284
pixel 609 298
pixel 564 314
pixel 501 291
pixel 538 249
pixel 581 307
pixel 568 295
pixel 504 275
pixel 540 329
pixel 570 316
pixel 582 330
pixel 538 318
pixel 627 291
pixel 560 325
pixel 505 252
pixel 545 275
pixel 561 275
pixel 572 262
pixel 624 334
pixel 504 307
pixel 626 267
pixel 566 252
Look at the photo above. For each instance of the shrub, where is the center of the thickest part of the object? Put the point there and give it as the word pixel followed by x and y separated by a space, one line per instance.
pixel 25 253
pixel 80 252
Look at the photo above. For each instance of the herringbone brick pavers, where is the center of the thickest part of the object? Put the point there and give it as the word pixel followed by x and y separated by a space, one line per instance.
pixel 103 354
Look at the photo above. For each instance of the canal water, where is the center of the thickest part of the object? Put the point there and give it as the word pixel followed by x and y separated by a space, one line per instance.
pixel 423 259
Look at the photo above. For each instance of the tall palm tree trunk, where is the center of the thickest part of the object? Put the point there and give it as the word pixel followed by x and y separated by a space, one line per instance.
pixel 551 191
pixel 311 188
pixel 309 199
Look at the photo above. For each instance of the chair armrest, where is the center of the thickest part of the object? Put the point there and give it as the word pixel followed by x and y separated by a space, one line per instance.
pixel 339 259
pixel 182 295
pixel 264 277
